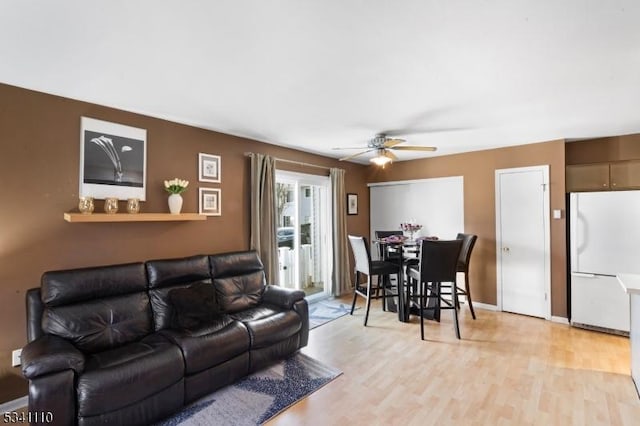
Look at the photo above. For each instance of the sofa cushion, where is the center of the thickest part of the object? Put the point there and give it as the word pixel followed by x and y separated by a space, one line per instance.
pixel 239 292
pixel 239 280
pixel 100 324
pixel 168 272
pixel 120 377
pixel 166 275
pixel 268 324
pixel 211 344
pixel 237 263
pixel 193 306
pixel 78 285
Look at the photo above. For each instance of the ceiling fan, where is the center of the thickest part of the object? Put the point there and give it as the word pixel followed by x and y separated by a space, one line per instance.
pixel 384 145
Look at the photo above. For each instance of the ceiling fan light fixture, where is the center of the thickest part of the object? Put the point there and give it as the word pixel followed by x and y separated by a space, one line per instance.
pixel 381 159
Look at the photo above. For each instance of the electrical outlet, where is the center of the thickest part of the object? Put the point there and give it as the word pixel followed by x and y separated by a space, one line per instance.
pixel 15 357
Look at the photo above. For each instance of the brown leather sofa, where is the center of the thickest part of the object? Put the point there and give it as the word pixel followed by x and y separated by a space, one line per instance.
pixel 133 343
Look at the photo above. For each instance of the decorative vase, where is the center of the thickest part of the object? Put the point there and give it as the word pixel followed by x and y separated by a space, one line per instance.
pixel 85 205
pixel 133 205
pixel 175 203
pixel 111 205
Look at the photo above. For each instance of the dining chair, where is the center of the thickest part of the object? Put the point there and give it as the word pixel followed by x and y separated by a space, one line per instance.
pixel 384 254
pixel 393 256
pixel 380 268
pixel 383 251
pixel 468 242
pixel 438 264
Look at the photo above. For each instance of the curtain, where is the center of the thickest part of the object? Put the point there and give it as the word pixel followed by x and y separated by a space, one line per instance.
pixel 340 276
pixel 263 214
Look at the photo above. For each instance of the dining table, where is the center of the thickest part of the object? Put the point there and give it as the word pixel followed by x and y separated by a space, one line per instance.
pixel 409 251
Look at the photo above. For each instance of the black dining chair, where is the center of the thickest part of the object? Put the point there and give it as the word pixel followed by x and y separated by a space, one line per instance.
pixel 385 254
pixel 393 256
pixel 383 250
pixel 438 264
pixel 380 268
pixel 468 242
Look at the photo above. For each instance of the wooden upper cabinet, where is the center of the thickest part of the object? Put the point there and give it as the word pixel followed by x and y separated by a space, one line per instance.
pixel 625 175
pixel 587 177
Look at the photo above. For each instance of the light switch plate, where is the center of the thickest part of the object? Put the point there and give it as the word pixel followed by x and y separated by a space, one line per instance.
pixel 15 357
pixel 557 214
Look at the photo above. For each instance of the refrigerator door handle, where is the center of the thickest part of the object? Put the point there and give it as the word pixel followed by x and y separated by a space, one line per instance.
pixel 582 275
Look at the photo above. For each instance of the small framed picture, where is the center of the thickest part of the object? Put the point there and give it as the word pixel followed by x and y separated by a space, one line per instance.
pixel 352 203
pixel 210 201
pixel 209 168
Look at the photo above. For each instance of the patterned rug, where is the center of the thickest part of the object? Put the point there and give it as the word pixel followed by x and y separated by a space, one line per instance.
pixel 258 397
pixel 326 310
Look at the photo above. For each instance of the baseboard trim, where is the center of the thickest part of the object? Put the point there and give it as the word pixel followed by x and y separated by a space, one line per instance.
pixel 560 320
pixel 15 405
pixel 485 306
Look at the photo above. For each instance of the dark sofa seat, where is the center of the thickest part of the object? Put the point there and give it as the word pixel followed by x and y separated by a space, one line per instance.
pixel 272 332
pixel 133 343
pixel 144 368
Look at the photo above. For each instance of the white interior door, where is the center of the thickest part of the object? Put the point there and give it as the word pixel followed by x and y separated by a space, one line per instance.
pixel 522 241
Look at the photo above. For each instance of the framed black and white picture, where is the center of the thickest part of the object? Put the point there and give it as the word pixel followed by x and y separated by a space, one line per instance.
pixel 210 201
pixel 209 168
pixel 113 160
pixel 352 204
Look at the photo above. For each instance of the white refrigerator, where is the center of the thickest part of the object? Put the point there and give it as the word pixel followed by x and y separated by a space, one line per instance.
pixel 604 241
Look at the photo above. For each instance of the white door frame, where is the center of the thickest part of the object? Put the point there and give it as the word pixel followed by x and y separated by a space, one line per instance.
pixel 547 233
pixel 297 179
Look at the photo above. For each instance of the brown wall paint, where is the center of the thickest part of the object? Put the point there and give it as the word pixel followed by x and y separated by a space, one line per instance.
pixel 39 163
pixel 478 169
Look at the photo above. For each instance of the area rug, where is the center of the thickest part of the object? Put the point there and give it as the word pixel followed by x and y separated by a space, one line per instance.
pixel 326 310
pixel 258 397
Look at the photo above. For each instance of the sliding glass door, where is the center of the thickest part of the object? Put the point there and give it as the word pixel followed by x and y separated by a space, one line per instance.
pixel 303 209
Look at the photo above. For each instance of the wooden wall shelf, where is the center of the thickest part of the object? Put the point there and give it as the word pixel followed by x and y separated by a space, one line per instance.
pixel 128 217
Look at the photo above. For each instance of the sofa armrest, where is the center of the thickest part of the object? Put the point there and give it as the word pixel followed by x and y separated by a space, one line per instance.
pixel 282 297
pixel 50 354
pixel 53 393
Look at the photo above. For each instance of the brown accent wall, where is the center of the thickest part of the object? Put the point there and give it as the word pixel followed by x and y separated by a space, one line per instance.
pixel 39 166
pixel 39 161
pixel 478 169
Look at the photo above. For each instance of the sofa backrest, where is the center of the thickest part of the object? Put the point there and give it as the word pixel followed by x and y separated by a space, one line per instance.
pixel 239 280
pixel 166 275
pixel 97 308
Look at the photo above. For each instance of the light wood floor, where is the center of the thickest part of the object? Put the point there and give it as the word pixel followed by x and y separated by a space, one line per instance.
pixel 507 370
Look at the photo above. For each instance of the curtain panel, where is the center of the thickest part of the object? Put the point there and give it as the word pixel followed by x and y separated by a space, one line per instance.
pixel 263 214
pixel 340 276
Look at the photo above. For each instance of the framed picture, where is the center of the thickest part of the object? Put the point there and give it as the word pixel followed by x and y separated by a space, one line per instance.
pixel 209 168
pixel 210 201
pixel 113 160
pixel 352 203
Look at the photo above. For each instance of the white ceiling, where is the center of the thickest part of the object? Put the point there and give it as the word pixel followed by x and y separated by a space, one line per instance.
pixel 314 75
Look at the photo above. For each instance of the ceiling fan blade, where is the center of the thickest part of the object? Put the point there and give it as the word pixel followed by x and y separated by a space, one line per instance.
pixel 355 155
pixel 349 147
pixel 390 154
pixel 415 148
pixel 392 142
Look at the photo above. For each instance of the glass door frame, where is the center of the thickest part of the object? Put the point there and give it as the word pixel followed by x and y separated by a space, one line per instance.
pixel 299 179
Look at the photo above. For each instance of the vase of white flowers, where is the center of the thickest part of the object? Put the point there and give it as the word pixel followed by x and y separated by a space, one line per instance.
pixel 175 187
